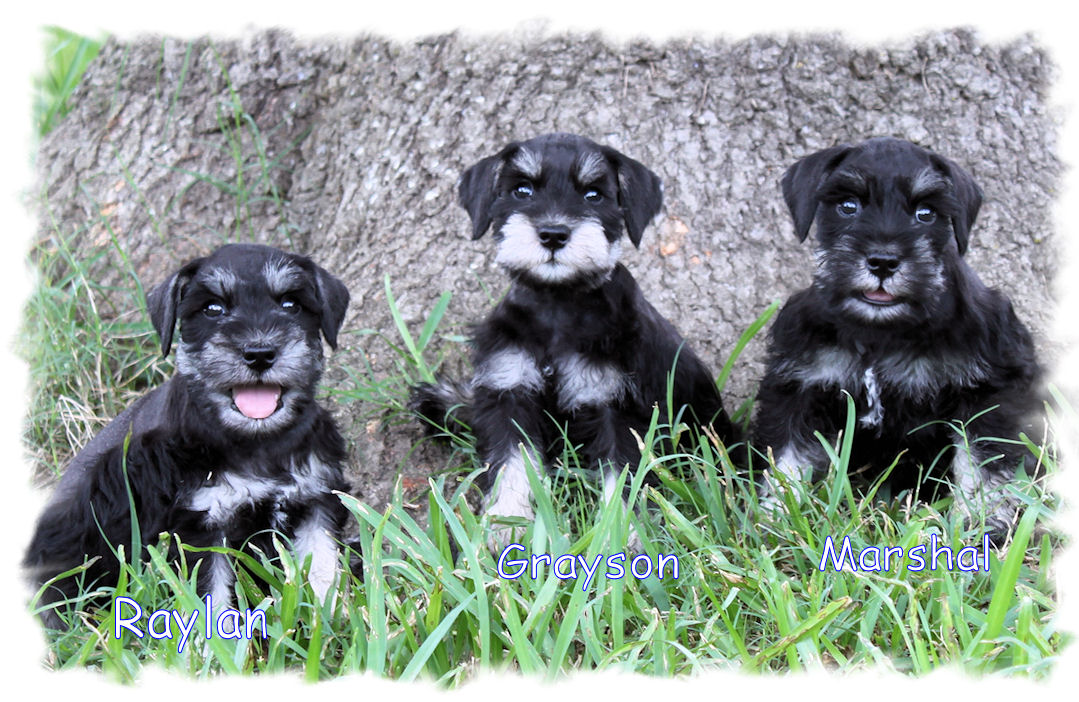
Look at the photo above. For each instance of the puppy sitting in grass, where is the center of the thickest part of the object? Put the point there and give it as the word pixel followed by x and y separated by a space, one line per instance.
pixel 942 373
pixel 574 343
pixel 233 447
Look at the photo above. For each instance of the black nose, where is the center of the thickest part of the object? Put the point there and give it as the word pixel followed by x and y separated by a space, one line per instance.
pixel 259 358
pixel 554 236
pixel 882 265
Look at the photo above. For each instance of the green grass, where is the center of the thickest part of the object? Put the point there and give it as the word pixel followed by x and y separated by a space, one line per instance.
pixel 66 57
pixel 749 596
pixel 90 347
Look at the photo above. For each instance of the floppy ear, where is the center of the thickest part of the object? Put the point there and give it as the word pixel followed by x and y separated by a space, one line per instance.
pixel 333 301
pixel 640 193
pixel 163 299
pixel 967 195
pixel 476 190
pixel 801 182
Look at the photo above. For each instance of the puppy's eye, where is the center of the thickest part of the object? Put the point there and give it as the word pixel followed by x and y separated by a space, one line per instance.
pixel 289 304
pixel 213 309
pixel 592 195
pixel 925 215
pixel 523 191
pixel 849 207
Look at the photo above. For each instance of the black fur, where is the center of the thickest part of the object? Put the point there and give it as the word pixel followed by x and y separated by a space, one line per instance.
pixel 574 343
pixel 185 451
pixel 897 319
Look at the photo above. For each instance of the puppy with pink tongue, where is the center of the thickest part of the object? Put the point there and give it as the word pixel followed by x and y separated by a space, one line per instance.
pixel 229 452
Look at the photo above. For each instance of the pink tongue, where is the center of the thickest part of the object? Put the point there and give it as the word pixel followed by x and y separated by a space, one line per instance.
pixel 256 401
pixel 879 296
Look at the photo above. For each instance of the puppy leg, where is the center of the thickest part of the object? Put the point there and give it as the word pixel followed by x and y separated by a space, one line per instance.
pixel 798 462
pixel 507 422
pixel 610 486
pixel 786 421
pixel 216 581
pixel 510 494
pixel 611 446
pixel 313 537
pixel 219 580
pixel 980 477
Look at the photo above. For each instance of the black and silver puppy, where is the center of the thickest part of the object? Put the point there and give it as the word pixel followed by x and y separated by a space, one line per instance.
pixel 574 343
pixel 896 318
pixel 230 448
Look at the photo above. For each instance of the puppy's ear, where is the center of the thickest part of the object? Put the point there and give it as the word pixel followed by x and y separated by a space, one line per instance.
pixel 333 301
pixel 163 299
pixel 968 196
pixel 640 193
pixel 476 191
pixel 801 182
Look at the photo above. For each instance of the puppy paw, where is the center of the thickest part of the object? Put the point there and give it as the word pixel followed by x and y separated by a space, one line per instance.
pixel 499 537
pixel 633 541
pixel 444 404
pixel 322 580
pixel 501 534
pixel 771 503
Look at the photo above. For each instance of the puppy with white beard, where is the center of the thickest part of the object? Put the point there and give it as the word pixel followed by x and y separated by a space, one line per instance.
pixel 574 344
pixel 231 449
pixel 943 374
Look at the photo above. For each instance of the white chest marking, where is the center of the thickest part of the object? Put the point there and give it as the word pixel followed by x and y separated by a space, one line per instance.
pixel 509 369
pixel 874 414
pixel 582 383
pixel 230 494
pixel 234 492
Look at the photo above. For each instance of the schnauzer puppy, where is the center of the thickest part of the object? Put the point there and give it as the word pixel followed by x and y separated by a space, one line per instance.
pixel 574 340
pixel 941 371
pixel 230 448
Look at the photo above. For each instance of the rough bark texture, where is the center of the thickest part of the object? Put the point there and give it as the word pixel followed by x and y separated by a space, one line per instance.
pixel 349 151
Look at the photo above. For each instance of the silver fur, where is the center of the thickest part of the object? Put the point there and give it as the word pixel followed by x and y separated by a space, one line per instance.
pixel 587 251
pixel 508 369
pixel 528 162
pixel 582 383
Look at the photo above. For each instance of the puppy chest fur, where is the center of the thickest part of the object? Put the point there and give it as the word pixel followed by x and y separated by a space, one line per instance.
pixel 573 350
pixel 279 496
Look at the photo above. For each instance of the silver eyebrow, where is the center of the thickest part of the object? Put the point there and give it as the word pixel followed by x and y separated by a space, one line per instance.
pixel 590 167
pixel 528 162
pixel 282 276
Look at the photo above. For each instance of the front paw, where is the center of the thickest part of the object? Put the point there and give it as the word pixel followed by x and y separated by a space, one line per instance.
pixel 633 541
pixel 498 538
pixel 505 525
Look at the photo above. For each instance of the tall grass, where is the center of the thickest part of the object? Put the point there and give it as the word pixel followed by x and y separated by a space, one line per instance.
pixel 90 348
pixel 429 603
pixel 66 57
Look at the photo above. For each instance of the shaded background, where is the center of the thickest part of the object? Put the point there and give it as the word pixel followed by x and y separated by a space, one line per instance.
pixel 349 151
